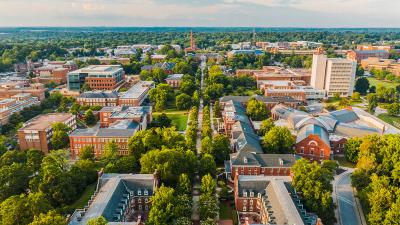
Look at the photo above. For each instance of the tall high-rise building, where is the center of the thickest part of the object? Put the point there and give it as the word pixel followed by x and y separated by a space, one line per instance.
pixel 334 75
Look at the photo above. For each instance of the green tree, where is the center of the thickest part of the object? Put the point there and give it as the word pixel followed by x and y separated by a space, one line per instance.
pixel 220 148
pixel 256 110
pixel 266 126
pixel 352 149
pixel 207 165
pixel 97 221
pixel 87 152
pixel 355 96
pixel 206 145
pixel 184 184
pixel 217 110
pixel 162 209
pixel 278 140
pixel 162 121
pixel 89 117
pixel 110 151
pixel 160 96
pixel 14 180
pixel 49 218
pixel 38 203
pixel 372 100
pixel 208 207
pixel 314 182
pixel 34 159
pixel 14 210
pixel 393 109
pixel 208 185
pixel 183 101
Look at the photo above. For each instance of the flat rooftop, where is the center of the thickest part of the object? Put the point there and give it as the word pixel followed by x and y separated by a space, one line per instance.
pixel 137 90
pixel 44 121
pixel 99 69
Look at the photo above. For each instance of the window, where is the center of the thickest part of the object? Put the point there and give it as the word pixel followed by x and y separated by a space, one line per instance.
pixel 245 194
pixel 322 153
pixel 302 150
pixel 251 208
pixel 259 195
pixel 251 195
pixel 139 192
pixel 251 202
pixel 146 192
pixel 244 209
pixel 312 151
pixel 139 200
pixel 140 207
pixel 146 200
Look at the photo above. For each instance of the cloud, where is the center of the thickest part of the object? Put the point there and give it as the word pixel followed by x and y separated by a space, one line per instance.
pixel 303 13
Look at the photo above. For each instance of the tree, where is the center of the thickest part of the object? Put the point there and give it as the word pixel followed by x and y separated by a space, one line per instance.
pixel 355 96
pixel 208 185
pixel 50 218
pixel 207 165
pixel 352 149
pixel 393 109
pixel 360 71
pixel 14 180
pixel 278 140
pixel 183 101
pixel 184 184
pixel 74 108
pixel 87 152
pixel 38 203
pixel 206 145
pixel 256 110
pixel 266 126
pixel 217 110
pixel 97 221
pixel 314 183
pixel 85 87
pixel 160 95
pixel 89 117
pixel 34 160
pixel 14 210
pixel 60 139
pixel 110 151
pixel 372 100
pixel 170 163
pixel 162 209
pixel 208 207
pixel 220 148
pixel 162 121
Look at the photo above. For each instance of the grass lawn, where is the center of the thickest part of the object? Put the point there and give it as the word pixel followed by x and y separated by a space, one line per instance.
pixel 179 117
pixel 377 83
pixel 343 162
pixel 83 200
pixel 392 120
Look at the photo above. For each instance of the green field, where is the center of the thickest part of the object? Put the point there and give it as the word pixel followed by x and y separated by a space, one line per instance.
pixel 377 83
pixel 179 118
pixel 392 120
pixel 83 200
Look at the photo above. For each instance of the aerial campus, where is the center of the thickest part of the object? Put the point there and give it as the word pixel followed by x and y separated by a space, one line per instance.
pixel 199 125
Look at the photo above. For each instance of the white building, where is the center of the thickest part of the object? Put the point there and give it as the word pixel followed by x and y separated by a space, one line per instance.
pixel 334 75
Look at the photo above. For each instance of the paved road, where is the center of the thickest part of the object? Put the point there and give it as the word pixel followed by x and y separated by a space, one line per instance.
pixel 344 195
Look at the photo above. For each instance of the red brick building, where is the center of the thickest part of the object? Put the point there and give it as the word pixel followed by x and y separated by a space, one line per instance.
pixel 174 80
pixel 269 200
pixel 313 143
pixel 136 94
pixel 37 132
pixel 357 55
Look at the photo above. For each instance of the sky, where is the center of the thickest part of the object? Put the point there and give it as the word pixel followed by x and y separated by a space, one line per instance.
pixel 209 13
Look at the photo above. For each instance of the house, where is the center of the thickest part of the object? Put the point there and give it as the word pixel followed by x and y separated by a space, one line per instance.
pixel 100 98
pixel 174 80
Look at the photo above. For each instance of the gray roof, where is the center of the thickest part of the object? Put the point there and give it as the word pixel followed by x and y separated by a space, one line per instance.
pixel 266 99
pixel 344 115
pixel 99 94
pixel 370 51
pixel 264 160
pixel 113 190
pixel 352 130
pixel 174 77
pixel 106 132
pixel 127 112
pixel 315 129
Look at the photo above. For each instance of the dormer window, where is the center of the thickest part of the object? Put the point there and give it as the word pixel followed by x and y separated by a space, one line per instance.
pixel 259 195
pixel 281 162
pixel 251 194
pixel 245 159
pixel 139 192
pixel 146 192
pixel 245 194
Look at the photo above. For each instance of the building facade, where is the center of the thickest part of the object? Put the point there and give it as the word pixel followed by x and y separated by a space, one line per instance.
pixel 136 94
pixel 16 103
pixel 97 77
pixel 334 75
pixel 358 55
pixel 100 98
pixel 37 132
pixel 174 80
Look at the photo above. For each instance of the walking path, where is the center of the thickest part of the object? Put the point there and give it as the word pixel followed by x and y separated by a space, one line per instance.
pixel 197 182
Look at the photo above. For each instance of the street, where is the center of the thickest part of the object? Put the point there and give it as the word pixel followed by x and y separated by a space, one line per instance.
pixel 347 210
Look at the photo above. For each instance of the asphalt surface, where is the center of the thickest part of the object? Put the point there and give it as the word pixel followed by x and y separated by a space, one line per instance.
pixel 348 213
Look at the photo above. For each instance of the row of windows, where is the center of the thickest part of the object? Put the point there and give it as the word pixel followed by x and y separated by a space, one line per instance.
pixel 312 151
